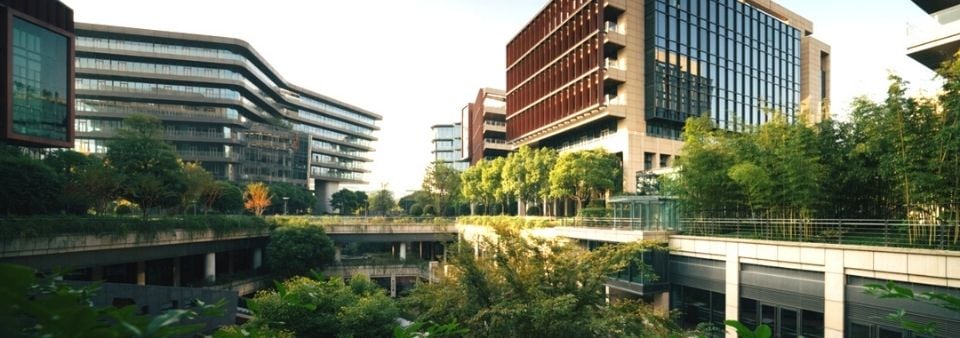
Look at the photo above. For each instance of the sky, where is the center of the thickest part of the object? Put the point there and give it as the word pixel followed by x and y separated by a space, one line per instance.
pixel 418 62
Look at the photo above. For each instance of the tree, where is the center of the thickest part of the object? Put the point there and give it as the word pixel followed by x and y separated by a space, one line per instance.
pixel 69 165
pixel 211 192
pixel 148 167
pixel 381 202
pixel 27 186
pixel 525 287
pixel 443 183
pixel 346 201
pixel 230 200
pixel 543 162
pixel 517 177
pixel 584 175
pixel 297 249
pixel 198 181
pixel 471 184
pixel 299 199
pixel 491 183
pixel 257 198
pixel 318 308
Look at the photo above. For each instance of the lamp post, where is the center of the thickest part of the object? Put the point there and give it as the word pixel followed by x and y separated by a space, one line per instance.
pixel 285 198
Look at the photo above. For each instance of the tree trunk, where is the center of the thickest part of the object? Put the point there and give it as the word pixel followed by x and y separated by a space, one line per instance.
pixel 521 211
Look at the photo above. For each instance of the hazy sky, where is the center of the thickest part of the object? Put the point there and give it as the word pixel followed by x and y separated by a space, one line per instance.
pixel 417 63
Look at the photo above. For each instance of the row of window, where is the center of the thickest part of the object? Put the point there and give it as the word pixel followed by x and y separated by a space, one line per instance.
pixel 331 134
pixel 316 144
pixel 334 122
pixel 158 109
pixel 316 157
pixel 335 173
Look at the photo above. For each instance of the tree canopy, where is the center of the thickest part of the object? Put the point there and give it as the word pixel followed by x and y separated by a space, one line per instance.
pixel 149 169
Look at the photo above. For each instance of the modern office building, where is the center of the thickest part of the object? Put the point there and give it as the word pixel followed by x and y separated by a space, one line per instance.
pixel 36 73
pixel 625 75
pixel 448 145
pixel 485 126
pixel 221 104
pixel 939 43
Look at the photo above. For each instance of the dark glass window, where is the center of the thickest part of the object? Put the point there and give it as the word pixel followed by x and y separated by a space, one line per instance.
pixel 40 81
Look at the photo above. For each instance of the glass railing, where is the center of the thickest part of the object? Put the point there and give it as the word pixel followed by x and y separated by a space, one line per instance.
pixel 316 131
pixel 92 105
pixel 611 26
pixel 334 122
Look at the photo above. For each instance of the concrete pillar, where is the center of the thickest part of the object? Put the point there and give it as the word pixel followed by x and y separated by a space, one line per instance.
pixel 421 250
pixel 606 293
pixel 661 302
pixel 96 273
pixel 257 258
pixel 393 285
pixel 732 287
pixel 337 255
pixel 834 284
pixel 403 251
pixel 141 273
pixel 210 267
pixel 176 271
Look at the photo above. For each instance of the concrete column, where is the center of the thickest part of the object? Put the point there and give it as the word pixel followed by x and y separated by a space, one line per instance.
pixel 176 271
pixel 96 273
pixel 393 285
pixel 337 255
pixel 257 258
pixel 141 273
pixel 834 284
pixel 403 251
pixel 606 293
pixel 421 250
pixel 661 302
pixel 210 267
pixel 732 287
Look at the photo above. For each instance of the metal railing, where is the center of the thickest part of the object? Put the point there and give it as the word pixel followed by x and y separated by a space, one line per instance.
pixel 369 220
pixel 892 233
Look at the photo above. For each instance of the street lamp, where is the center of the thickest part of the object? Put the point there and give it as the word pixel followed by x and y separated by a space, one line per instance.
pixel 285 199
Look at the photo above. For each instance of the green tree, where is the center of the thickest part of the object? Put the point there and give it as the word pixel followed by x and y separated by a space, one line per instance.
pixel 297 249
pixel 471 185
pixel 312 308
pixel 704 184
pixel 230 200
pixel 198 181
pixel 148 167
pixel 523 287
pixel 491 183
pixel 299 199
pixel 382 202
pixel 543 162
pixel 517 177
pixel 27 186
pixel 585 175
pixel 443 183
pixel 69 165
pixel 346 201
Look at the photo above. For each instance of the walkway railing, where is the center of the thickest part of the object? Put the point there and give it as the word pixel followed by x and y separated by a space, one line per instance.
pixel 893 233
pixel 371 220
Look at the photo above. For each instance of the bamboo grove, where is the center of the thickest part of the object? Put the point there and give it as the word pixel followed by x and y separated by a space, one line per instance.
pixel 894 159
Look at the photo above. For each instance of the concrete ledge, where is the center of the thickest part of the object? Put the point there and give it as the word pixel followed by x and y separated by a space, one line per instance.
pixel 76 243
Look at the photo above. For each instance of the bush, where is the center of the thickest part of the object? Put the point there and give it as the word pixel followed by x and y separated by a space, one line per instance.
pixel 595 212
pixel 27 186
pixel 596 204
pixel 533 210
pixel 298 249
pixel 428 210
pixel 416 210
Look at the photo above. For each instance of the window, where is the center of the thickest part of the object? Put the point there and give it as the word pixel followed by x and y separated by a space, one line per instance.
pixel 648 161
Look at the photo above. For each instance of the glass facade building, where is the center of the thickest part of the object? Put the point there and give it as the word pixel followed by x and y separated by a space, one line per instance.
pixel 448 145
pixel 221 105
pixel 37 70
pixel 725 59
pixel 625 75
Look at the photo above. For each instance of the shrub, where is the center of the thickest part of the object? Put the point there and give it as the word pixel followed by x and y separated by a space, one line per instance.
pixel 298 249
pixel 595 212
pixel 27 186
pixel 428 210
pixel 533 210
pixel 416 210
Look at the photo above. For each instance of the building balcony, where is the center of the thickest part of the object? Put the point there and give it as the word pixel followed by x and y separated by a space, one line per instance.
pixel 617 4
pixel 208 156
pixel 616 70
pixel 615 34
pixel 495 126
pixel 497 144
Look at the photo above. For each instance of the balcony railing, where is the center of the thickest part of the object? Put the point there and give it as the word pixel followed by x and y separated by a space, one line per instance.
pixel 612 63
pixel 611 26
pixel 872 232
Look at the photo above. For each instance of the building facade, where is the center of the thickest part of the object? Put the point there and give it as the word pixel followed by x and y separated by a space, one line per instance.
pixel 625 75
pixel 485 131
pixel 933 46
pixel 36 73
pixel 221 105
pixel 448 145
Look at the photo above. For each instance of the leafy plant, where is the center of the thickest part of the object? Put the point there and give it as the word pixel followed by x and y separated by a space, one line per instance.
pixel 761 331
pixel 891 290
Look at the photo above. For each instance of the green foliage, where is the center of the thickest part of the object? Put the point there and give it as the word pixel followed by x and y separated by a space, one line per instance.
pixel 382 202
pixel 299 249
pixel 762 330
pixel 48 308
pixel 148 168
pixel 27 186
pixel 509 222
pixel 230 200
pixel 40 227
pixel 416 210
pixel 312 308
pixel 301 200
pixel 523 287
pixel 349 202
pixel 442 182
pixel 891 290
pixel 198 182
pixel 585 175
pixel 428 210
pixel 595 212
pixel 422 329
